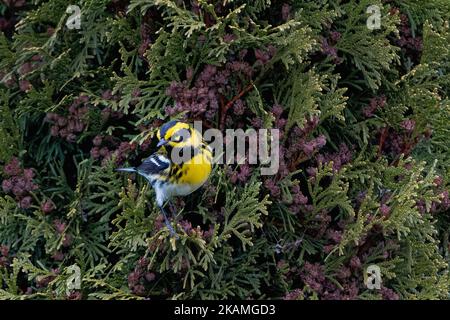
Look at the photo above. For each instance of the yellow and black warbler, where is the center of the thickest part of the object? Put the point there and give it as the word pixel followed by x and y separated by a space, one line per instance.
pixel 176 178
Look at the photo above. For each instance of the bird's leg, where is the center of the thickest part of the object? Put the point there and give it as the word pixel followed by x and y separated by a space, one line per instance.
pixel 172 208
pixel 166 221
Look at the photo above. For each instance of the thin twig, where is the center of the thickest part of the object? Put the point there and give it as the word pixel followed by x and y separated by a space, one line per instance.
pixel 383 137
pixel 231 102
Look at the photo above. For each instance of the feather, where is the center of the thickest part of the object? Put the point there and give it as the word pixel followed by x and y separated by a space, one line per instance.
pixel 155 164
pixel 127 169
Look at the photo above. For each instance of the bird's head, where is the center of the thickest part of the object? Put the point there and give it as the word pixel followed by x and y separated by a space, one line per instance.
pixel 178 134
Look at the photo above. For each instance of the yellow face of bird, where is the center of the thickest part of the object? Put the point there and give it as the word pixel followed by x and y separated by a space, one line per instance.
pixel 178 134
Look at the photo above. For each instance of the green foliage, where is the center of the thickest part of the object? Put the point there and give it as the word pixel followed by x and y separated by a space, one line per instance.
pixel 9 133
pixel 307 232
pixel 370 51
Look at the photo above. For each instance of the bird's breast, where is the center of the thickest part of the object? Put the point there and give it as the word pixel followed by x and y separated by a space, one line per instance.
pixel 196 171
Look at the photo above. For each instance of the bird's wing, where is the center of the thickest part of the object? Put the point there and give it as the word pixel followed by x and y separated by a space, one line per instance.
pixel 155 164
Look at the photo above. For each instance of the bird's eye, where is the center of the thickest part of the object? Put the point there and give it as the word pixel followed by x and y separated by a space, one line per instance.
pixel 177 138
pixel 180 136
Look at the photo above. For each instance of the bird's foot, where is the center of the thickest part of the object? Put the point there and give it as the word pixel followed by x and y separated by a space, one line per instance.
pixel 171 230
pixel 168 225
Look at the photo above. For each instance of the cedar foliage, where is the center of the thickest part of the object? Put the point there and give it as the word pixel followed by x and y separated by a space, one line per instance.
pixel 365 159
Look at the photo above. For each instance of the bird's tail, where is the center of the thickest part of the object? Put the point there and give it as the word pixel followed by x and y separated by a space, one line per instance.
pixel 132 169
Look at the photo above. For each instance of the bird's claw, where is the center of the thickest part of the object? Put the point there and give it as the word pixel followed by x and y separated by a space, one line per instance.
pixel 171 230
pixel 168 225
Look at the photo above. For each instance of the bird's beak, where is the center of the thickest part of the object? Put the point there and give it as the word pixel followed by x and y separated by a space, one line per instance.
pixel 162 142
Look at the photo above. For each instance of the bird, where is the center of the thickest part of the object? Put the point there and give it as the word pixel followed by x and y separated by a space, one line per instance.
pixel 182 164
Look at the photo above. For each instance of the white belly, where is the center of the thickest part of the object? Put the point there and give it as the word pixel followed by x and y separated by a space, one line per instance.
pixel 167 191
pixel 180 190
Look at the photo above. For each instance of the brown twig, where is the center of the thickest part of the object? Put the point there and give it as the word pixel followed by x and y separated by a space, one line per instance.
pixel 383 137
pixel 300 159
pixel 406 150
pixel 230 104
